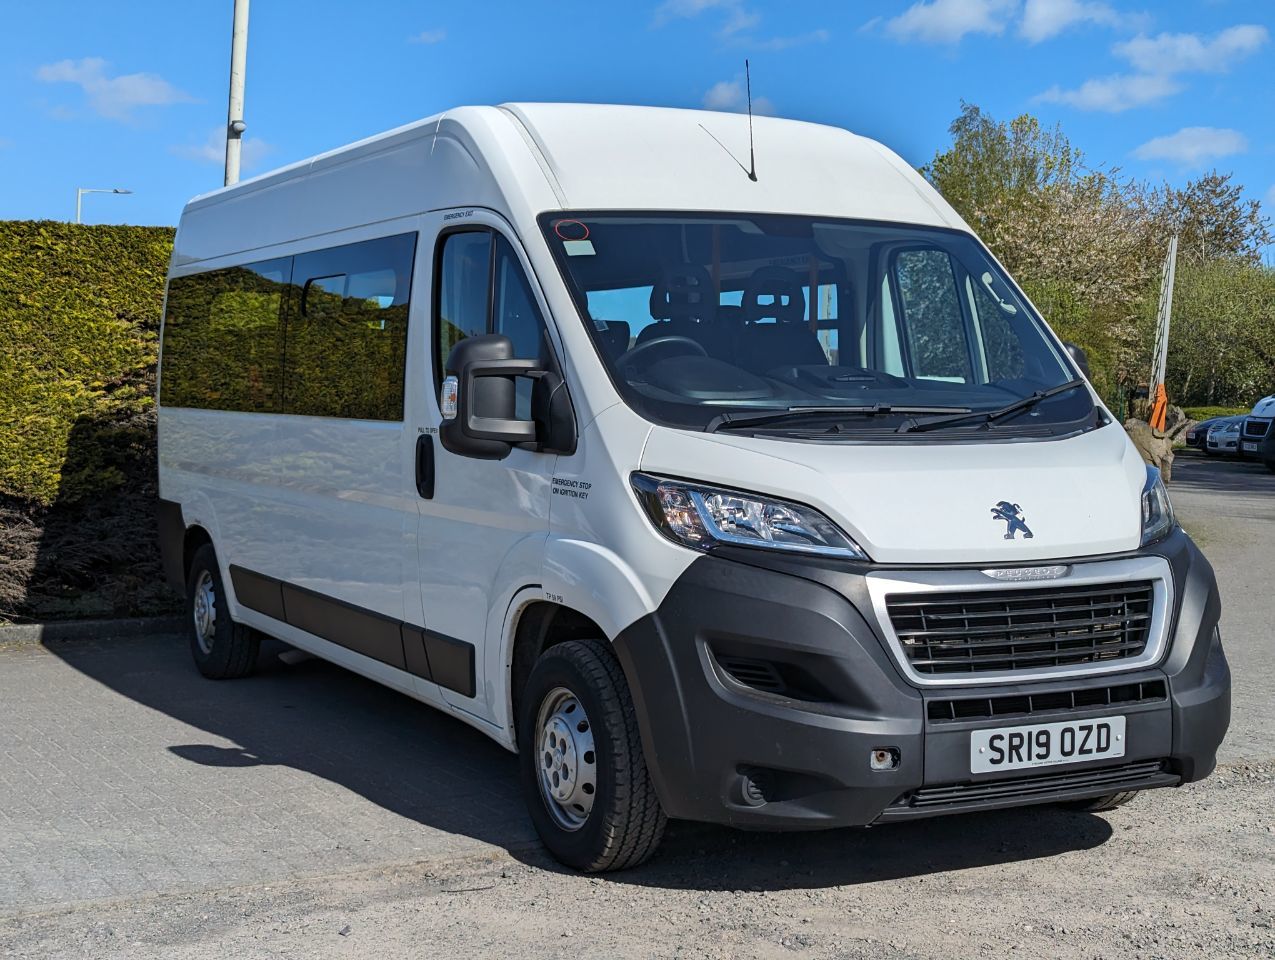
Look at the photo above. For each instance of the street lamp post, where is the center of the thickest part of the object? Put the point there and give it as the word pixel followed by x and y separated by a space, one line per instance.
pixel 81 191
pixel 234 114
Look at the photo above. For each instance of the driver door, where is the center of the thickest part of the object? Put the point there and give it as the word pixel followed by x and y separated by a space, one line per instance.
pixel 480 536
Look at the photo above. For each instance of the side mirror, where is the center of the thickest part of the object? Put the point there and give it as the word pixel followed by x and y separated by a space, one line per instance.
pixel 479 402
pixel 1079 358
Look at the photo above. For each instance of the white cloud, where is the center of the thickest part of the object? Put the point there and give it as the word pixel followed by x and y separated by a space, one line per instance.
pixel 737 22
pixel 738 18
pixel 784 43
pixel 1043 19
pixel 1113 94
pixel 947 21
pixel 428 37
pixel 1171 53
pixel 1160 61
pixel 213 150
pixel 113 97
pixel 1192 146
pixel 731 96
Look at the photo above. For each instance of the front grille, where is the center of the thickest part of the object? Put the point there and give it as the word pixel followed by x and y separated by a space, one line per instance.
pixel 1039 788
pixel 1256 428
pixel 1036 704
pixel 1006 631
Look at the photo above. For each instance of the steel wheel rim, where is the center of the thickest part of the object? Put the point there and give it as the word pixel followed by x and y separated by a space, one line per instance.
pixel 566 759
pixel 205 611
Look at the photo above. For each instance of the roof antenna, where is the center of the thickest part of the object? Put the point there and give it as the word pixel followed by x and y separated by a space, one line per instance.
pixel 752 159
pixel 751 170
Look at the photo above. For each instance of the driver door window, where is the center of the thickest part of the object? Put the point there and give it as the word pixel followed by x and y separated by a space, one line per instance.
pixel 482 289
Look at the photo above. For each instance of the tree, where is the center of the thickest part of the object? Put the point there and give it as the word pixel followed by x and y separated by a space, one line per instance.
pixel 1082 242
pixel 1214 221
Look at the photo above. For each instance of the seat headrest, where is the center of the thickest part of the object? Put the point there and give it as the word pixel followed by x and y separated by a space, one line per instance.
pixel 684 292
pixel 784 287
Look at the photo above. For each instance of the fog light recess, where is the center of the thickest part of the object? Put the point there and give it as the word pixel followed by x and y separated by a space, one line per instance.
pixel 884 758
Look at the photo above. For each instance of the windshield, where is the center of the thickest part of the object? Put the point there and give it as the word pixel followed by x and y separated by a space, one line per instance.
pixel 833 325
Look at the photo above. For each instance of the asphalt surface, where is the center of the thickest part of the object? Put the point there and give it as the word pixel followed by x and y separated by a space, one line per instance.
pixel 305 812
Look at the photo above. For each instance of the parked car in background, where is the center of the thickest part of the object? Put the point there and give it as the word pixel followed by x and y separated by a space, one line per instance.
pixel 1198 434
pixel 1257 426
pixel 1223 438
pixel 1266 450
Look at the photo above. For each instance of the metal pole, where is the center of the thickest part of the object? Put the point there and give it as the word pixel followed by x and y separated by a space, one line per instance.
pixel 79 195
pixel 1158 395
pixel 234 115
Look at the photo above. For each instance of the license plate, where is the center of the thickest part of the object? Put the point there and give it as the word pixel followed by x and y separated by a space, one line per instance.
pixel 1045 744
pixel 1250 447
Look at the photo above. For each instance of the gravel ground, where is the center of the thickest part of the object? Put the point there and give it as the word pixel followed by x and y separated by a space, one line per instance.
pixel 1177 873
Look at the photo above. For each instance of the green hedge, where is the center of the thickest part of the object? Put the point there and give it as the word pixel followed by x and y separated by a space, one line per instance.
pixel 79 329
pixel 1208 413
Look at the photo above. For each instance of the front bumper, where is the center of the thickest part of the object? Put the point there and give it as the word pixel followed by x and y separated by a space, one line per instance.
pixel 790 748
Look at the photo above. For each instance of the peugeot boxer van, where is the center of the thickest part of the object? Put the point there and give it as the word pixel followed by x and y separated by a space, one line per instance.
pixel 758 495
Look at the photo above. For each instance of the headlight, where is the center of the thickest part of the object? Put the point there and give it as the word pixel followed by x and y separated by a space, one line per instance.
pixel 1157 512
pixel 703 517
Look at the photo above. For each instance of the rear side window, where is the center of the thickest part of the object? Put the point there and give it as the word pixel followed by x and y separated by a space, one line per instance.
pixel 322 334
pixel 223 338
pixel 346 335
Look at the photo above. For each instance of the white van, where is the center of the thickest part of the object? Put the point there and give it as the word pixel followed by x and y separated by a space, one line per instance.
pixel 1256 426
pixel 756 497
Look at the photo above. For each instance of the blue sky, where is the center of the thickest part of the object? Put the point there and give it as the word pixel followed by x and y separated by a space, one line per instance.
pixel 133 95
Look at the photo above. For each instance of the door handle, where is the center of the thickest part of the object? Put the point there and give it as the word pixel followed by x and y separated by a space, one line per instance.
pixel 425 466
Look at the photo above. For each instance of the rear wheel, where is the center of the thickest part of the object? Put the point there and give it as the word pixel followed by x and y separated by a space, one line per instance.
pixel 222 648
pixel 584 776
pixel 1100 804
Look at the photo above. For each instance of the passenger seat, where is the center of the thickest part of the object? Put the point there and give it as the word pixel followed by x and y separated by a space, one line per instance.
pixel 776 334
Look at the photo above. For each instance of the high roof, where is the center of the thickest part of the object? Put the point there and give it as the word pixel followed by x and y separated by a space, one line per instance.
pixel 620 157
pixel 525 158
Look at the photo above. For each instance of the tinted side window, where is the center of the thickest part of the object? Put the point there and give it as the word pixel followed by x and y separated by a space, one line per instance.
pixel 222 347
pixel 932 318
pixel 346 335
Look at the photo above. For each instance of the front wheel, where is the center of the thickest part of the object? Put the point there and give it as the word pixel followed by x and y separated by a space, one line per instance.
pixel 222 648
pixel 584 776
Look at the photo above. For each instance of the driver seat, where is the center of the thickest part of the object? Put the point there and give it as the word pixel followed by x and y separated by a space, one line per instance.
pixel 683 302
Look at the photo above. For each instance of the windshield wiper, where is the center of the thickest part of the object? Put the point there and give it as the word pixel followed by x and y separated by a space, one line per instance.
pixel 991 416
pixel 729 421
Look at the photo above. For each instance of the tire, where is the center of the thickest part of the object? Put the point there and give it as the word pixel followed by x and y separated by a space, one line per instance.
pixel 1101 804
pixel 222 649
pixel 603 815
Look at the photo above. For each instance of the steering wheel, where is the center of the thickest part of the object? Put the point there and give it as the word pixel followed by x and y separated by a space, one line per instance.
pixel 676 345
